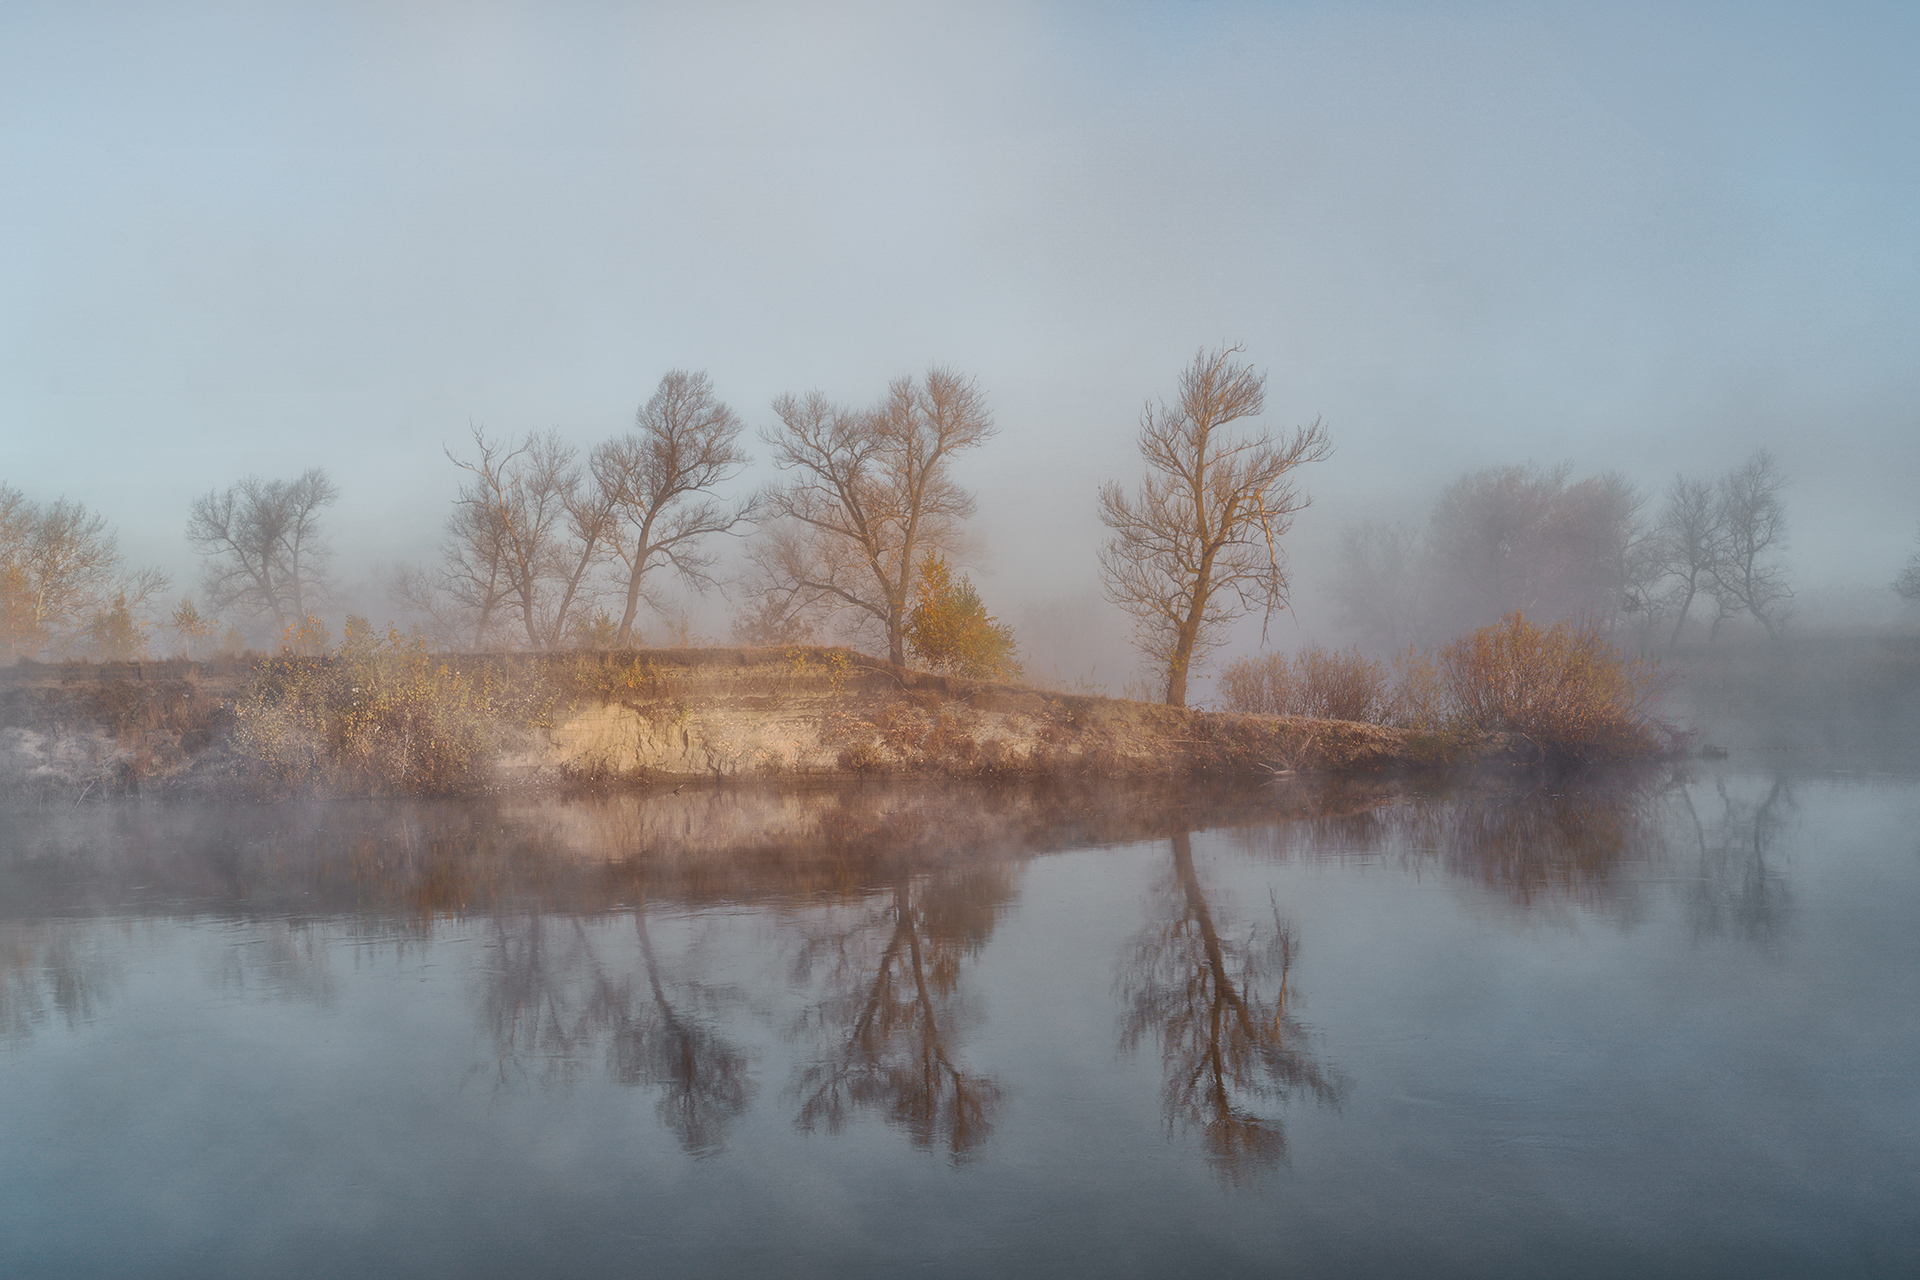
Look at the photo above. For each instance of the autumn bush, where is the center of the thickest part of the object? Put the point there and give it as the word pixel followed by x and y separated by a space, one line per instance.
pixel 949 629
pixel 1317 682
pixel 385 714
pixel 1564 688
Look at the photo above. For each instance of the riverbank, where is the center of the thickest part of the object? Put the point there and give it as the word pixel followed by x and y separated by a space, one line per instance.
pixel 669 716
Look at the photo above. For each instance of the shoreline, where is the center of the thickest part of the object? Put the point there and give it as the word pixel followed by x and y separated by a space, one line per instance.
pixel 642 718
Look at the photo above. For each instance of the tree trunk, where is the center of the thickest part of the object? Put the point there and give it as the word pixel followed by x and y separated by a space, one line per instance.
pixel 1681 621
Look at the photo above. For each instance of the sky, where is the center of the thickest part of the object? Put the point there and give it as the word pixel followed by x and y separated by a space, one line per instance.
pixel 256 237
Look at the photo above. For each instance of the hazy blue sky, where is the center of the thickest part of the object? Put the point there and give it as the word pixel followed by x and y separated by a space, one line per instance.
pixel 256 237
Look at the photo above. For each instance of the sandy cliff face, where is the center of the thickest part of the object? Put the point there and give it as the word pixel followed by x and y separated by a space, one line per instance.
pixel 727 714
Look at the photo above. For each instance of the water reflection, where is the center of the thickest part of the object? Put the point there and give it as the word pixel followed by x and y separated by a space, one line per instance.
pixel 53 968
pixel 240 1037
pixel 1550 846
pixel 883 897
pixel 553 999
pixel 890 1025
pixel 283 960
pixel 1217 1005
pixel 1736 888
pixel 702 1076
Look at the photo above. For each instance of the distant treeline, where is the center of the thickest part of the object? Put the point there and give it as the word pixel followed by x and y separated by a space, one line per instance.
pixel 547 547
pixel 1530 539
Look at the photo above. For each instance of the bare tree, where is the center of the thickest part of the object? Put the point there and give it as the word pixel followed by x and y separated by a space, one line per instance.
pixel 1205 525
pixel 1747 575
pixel 870 494
pixel 1382 571
pixel 658 481
pixel 1523 538
pixel 60 573
pixel 1688 537
pixel 525 535
pixel 1908 583
pixel 262 545
pixel 467 597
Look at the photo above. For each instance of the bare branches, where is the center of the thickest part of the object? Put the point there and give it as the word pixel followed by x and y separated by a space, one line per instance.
pixel 1198 543
pixel 869 493
pixel 658 483
pixel 60 574
pixel 525 535
pixel 1752 520
pixel 1688 537
pixel 262 544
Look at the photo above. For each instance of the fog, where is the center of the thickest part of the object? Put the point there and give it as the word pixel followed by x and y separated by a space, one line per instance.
pixel 246 240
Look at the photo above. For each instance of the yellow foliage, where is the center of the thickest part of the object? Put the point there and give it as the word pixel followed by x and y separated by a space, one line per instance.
pixel 949 629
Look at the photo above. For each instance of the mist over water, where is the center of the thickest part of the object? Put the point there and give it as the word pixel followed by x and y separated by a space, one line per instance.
pixel 1649 1023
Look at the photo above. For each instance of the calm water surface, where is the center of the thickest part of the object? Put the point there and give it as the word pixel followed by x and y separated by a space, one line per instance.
pixel 1659 1026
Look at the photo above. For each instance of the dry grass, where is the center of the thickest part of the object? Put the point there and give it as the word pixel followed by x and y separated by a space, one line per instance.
pixel 386 716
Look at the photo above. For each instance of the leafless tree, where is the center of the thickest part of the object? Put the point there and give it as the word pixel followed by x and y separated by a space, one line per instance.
pixel 658 480
pixel 1198 543
pixel 60 569
pixel 262 545
pixel 1523 538
pixel 525 535
pixel 1908 583
pixel 1688 536
pixel 1382 574
pixel 1747 574
pixel 869 495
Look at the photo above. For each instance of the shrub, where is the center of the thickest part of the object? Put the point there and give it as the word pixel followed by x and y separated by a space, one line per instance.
pixel 949 629
pixel 1316 682
pixel 1564 688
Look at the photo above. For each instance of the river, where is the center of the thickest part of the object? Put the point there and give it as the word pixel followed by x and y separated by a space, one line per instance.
pixel 1659 1024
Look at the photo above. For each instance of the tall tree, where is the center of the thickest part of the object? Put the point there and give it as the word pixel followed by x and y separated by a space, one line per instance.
pixel 658 481
pixel 1523 538
pixel 1688 537
pixel 1198 543
pixel 870 492
pixel 262 545
pixel 1747 574
pixel 525 535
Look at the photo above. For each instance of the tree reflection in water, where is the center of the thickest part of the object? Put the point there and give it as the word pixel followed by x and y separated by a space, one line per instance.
pixel 1219 1009
pixel 894 1011
pixel 703 1077
pixel 1549 843
pixel 1737 889
pixel 550 1001
pixel 52 967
